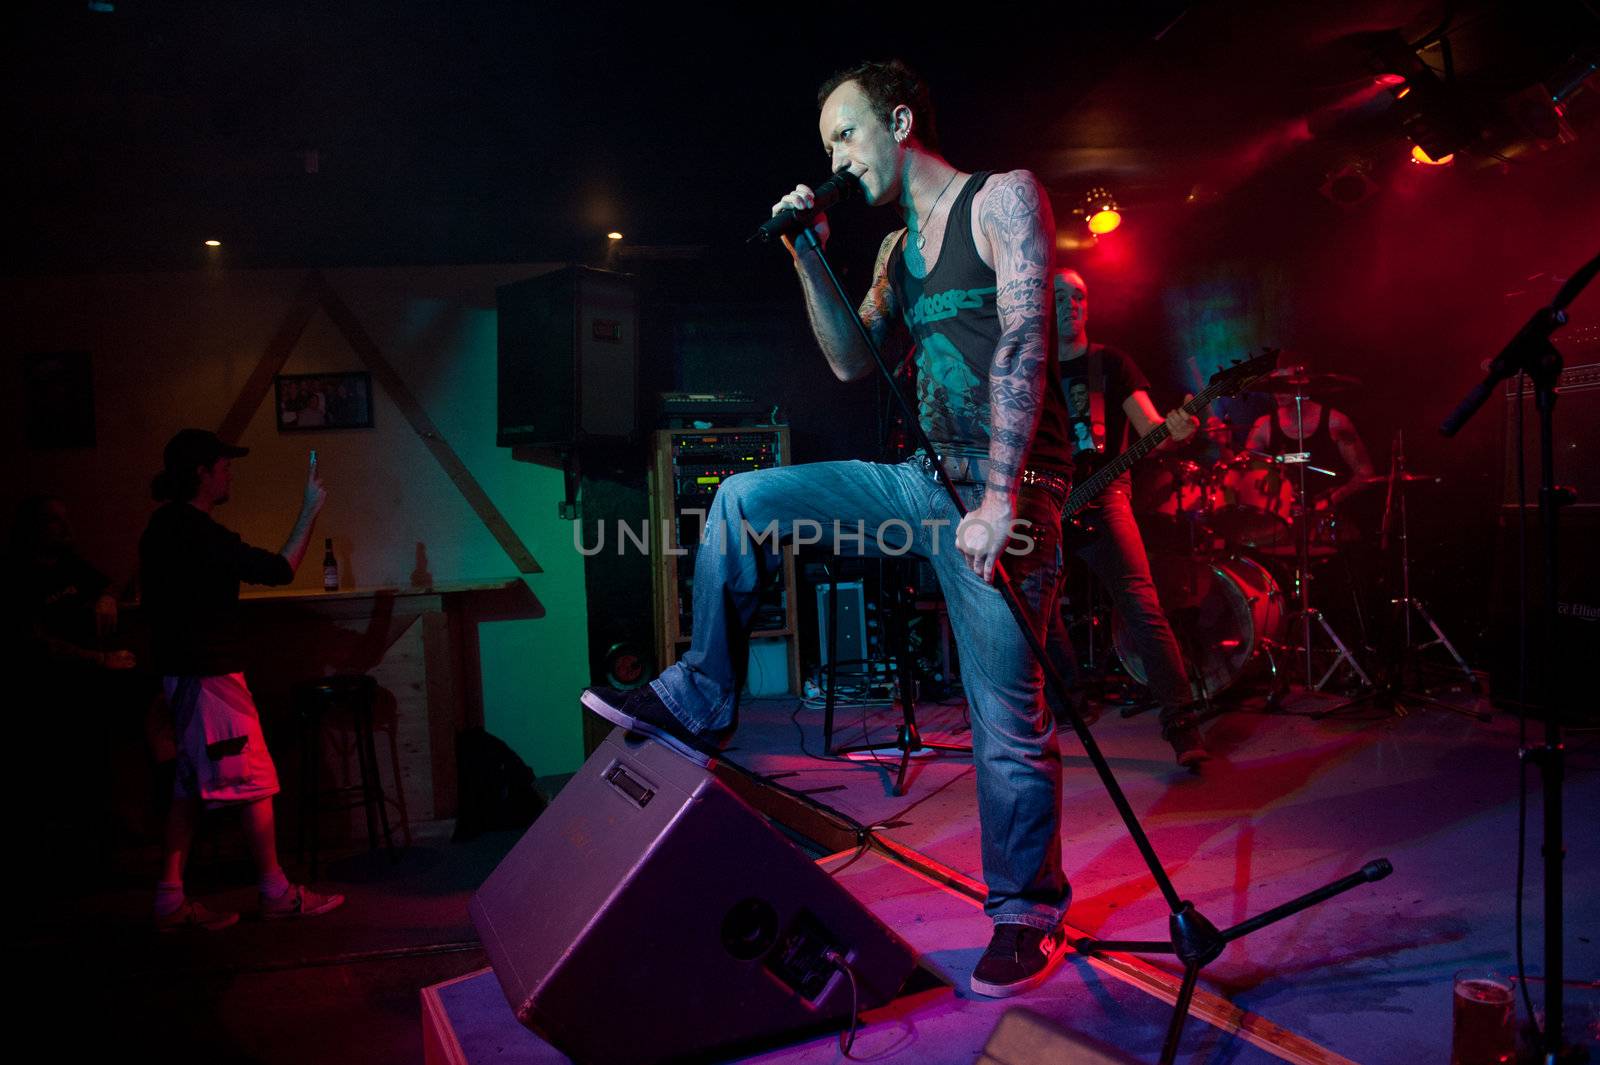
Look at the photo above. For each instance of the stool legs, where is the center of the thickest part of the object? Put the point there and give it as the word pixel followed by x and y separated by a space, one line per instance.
pixel 311 794
pixel 371 783
pixel 356 694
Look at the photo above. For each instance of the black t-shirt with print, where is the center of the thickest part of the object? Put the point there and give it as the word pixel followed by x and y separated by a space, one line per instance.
pixel 1122 378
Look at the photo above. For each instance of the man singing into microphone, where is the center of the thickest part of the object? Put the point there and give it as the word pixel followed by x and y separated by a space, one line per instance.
pixel 967 284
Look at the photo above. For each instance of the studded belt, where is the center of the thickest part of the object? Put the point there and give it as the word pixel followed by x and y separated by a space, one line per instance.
pixel 974 469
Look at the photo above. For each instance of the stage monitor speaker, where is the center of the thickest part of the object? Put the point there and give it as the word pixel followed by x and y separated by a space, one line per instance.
pixel 650 913
pixel 568 358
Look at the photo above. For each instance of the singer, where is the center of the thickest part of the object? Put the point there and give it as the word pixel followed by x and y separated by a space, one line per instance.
pixel 966 283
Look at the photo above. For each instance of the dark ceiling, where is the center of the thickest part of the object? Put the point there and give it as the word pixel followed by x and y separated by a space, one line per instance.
pixel 379 133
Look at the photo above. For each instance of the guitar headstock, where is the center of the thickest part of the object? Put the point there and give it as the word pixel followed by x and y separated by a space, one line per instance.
pixel 1230 380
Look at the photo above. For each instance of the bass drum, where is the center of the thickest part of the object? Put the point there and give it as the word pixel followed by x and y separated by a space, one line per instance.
pixel 1222 611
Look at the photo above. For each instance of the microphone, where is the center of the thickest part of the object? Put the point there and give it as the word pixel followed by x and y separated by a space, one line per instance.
pixel 792 220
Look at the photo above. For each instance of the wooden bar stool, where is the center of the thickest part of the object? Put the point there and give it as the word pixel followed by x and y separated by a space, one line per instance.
pixel 354 694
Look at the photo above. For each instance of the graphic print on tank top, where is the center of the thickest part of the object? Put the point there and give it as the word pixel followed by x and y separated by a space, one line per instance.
pixel 952 400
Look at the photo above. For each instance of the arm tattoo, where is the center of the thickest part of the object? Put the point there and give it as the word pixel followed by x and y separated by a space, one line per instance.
pixel 1017 220
pixel 836 334
pixel 1351 449
pixel 878 312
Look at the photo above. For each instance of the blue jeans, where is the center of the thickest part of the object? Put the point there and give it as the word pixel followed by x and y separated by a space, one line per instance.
pixel 899 509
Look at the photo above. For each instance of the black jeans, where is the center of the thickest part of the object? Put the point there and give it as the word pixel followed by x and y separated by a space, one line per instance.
pixel 1116 557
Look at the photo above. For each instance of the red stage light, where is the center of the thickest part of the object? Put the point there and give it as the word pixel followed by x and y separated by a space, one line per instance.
pixel 1420 156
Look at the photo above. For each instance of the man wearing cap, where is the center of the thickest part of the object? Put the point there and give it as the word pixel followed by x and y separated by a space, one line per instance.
pixel 190 571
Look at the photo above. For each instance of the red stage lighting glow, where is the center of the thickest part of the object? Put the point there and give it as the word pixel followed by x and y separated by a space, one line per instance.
pixel 1103 222
pixel 1389 80
pixel 1420 156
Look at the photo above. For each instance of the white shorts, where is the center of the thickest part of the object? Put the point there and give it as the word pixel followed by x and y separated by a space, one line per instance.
pixel 222 756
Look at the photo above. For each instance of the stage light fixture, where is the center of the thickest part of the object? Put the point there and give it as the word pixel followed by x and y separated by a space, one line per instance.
pixel 1432 110
pixel 213 243
pixel 1420 156
pixel 1099 211
pixel 613 235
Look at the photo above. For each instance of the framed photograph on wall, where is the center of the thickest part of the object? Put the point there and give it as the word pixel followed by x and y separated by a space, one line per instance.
pixel 315 401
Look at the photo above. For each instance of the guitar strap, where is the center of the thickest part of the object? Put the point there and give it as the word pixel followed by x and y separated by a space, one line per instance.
pixel 1097 395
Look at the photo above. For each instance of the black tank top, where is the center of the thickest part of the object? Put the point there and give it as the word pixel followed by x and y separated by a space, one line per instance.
pixel 1319 445
pixel 955 327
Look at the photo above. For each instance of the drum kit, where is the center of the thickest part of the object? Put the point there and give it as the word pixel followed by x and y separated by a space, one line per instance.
pixel 1236 548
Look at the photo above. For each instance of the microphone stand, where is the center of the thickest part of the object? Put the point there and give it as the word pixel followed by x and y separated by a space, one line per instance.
pixel 1532 352
pixel 1194 940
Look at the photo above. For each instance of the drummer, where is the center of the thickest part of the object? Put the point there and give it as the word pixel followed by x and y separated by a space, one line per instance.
pixel 1329 439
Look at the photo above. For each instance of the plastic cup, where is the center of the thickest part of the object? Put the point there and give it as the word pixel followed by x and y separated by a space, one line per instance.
pixel 1484 1012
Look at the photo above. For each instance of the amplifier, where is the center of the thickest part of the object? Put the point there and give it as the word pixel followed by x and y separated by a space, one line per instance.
pixel 1577 436
pixel 851 622
pixel 1568 651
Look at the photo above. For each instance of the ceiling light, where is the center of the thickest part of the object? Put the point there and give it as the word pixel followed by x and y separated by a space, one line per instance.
pixel 1099 211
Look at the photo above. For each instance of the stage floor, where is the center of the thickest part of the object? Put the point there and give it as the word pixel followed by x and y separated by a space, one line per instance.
pixel 1287 804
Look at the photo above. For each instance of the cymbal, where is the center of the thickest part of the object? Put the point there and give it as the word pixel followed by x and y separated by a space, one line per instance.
pixel 1295 381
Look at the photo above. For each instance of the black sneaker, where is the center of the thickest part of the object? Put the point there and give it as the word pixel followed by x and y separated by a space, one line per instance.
pixel 641 710
pixel 1184 735
pixel 1019 957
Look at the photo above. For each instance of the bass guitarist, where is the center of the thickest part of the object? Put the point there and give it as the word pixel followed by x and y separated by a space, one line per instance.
pixel 1106 392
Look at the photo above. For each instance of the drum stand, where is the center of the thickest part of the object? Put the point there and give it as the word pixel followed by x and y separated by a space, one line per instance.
pixel 1307 615
pixel 1391 693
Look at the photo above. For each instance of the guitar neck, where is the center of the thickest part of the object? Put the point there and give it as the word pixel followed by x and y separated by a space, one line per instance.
pixel 1085 493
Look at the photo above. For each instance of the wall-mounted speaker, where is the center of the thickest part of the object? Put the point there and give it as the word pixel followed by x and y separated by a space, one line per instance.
pixel 568 358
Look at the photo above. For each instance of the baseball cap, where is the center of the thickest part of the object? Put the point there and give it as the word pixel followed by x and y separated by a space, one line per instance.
pixel 198 447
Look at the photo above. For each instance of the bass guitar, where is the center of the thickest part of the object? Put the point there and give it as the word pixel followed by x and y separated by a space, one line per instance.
pixel 1225 382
